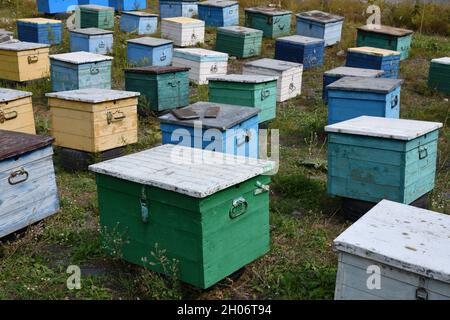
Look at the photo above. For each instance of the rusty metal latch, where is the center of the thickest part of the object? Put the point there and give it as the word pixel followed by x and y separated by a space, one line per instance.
pixel 5 116
pixel 18 176
pixel 115 117
pixel 421 294
pixel 33 59
pixel 261 188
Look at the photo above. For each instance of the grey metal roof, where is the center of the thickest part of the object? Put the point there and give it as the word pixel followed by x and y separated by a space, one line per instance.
pixel 11 94
pixel 95 7
pixel 354 72
pixel 377 85
pixel 268 11
pixel 92 95
pixel 150 41
pixel 218 3
pixel 239 30
pixel 140 13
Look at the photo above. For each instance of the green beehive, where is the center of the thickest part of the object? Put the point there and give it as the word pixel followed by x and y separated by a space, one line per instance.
pixel 246 90
pixel 273 22
pixel 239 41
pixel 200 213
pixel 162 88
pixel 385 37
pixel 439 75
pixel 94 16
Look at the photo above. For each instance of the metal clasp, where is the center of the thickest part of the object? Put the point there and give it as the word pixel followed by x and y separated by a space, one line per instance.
pixel 423 152
pixel 261 188
pixel 94 70
pixel 144 206
pixel 18 173
pixel 5 116
pixel 33 59
pixel 114 117
pixel 394 102
pixel 214 68
pixel 421 294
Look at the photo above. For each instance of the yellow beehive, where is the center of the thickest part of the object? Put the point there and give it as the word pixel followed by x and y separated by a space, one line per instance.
pixel 93 120
pixel 24 61
pixel 16 111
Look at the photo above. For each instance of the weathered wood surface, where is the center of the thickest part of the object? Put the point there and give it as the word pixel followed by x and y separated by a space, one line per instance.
pixel 190 171
pixel 387 30
pixel 16 143
pixel 92 95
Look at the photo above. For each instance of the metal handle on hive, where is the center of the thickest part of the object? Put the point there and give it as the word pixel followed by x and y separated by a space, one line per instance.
pixel 292 87
pixel 94 70
pixel 245 138
pixel 423 152
pixel 18 173
pixel 33 59
pixel 421 294
pixel 239 207
pixel 101 44
pixel 5 116
pixel 265 94
pixel 144 206
pixel 394 102
pixel 163 57
pixel 214 68
pixel 115 117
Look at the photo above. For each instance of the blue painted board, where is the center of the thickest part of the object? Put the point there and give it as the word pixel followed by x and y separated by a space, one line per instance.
pixel 138 22
pixel 128 5
pixel 56 6
pixel 305 50
pixel 322 25
pixel 91 40
pixel 96 2
pixel 39 30
pixel 149 51
pixel 234 131
pixel 219 13
pixel 373 58
pixel 171 9
pixel 351 97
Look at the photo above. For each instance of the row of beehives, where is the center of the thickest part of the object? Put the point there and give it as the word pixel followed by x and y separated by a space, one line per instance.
pixel 398 139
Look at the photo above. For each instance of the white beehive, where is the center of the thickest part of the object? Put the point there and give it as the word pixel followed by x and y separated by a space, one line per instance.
pixel 289 74
pixel 395 252
pixel 183 31
pixel 203 63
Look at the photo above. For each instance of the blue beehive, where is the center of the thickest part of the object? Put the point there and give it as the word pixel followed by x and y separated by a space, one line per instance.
pixel 39 30
pixel 128 5
pixel 56 6
pixel 335 74
pixel 351 97
pixel 96 2
pixel 305 50
pixel 148 51
pixel 138 22
pixel 91 40
pixel 219 13
pixel 171 9
pixel 374 58
pixel 80 70
pixel 322 25
pixel 234 130
pixel 374 158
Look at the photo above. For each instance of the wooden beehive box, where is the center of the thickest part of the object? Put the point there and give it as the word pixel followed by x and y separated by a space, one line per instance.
pixel 305 50
pixel 219 13
pixel 439 75
pixel 374 58
pixel 16 111
pixel 335 74
pixel 246 90
pixel 80 70
pixel 272 21
pixel 171 9
pixel 128 5
pixel 407 246
pixel 289 74
pixel 319 24
pixel 233 130
pixel 93 40
pixel 200 215
pixel 385 37
pixel 202 63
pixel 27 180
pixel 93 120
pixel 39 30
pixel 55 6
pixel 161 88
pixel 375 158
pixel 184 32
pixel 239 41
pixel 24 61
pixel 351 97
pixel 95 16
pixel 148 51
pixel 139 22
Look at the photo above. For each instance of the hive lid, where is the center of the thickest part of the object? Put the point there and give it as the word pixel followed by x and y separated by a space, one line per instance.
pixel 140 13
pixel 92 31
pixel 200 54
pixel 184 20
pixel 392 31
pixel 7 95
pixel 22 46
pixel 273 64
pixel 268 11
pixel 320 16
pixel 401 236
pixel 218 3
pixel 95 7
pixel 361 84
pixel 228 116
pixel 80 57
pixel 374 51
pixel 17 143
pixel 398 129
pixel 239 30
pixel 39 20
pixel 92 95
pixel 191 171
pixel 245 78
pixel 150 41
pixel 354 72
pixel 444 60
pixel 156 69
pixel 295 39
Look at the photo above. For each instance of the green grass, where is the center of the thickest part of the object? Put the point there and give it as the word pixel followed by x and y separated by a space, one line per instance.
pixel 304 219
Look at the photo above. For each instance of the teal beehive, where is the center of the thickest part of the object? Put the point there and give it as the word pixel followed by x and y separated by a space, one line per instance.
pixel 272 21
pixel 375 158
pixel 439 75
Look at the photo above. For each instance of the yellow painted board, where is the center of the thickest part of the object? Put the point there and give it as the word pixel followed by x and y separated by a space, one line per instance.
pixel 39 20
pixel 18 116
pixel 91 107
pixel 182 20
pixel 24 65
pixel 374 51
